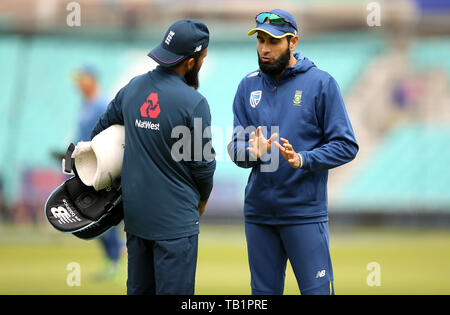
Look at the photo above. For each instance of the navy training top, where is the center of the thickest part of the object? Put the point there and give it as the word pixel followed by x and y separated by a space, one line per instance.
pixel 305 107
pixel 164 174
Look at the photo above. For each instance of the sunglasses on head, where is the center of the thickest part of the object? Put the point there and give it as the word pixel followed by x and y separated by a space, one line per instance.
pixel 272 18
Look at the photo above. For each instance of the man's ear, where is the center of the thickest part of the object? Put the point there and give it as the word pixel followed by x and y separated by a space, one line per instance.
pixel 293 43
pixel 190 62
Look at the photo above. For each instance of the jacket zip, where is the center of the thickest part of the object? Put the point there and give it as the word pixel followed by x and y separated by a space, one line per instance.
pixel 272 121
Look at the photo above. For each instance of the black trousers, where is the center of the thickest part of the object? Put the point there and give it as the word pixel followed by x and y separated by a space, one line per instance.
pixel 161 267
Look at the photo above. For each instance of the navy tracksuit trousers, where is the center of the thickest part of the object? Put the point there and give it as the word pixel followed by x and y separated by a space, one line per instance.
pixel 161 267
pixel 305 245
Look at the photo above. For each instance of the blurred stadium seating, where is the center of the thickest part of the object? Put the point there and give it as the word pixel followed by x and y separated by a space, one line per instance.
pixel 394 78
pixel 408 172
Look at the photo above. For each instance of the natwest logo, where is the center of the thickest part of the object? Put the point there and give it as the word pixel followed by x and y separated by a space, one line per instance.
pixel 151 107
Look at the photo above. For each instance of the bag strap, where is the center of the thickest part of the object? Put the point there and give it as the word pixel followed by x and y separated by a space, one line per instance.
pixel 69 164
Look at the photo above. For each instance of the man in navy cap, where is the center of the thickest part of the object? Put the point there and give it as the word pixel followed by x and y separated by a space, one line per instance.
pixel 285 209
pixel 165 185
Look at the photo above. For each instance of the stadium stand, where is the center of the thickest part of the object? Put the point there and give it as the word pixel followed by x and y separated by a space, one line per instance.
pixel 409 171
pixel 394 80
pixel 405 165
pixel 40 103
pixel 48 102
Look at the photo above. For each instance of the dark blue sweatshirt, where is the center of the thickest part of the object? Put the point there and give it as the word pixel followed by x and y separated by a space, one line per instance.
pixel 161 191
pixel 306 107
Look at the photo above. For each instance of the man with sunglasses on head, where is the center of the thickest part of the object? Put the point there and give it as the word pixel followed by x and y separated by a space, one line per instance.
pixel 285 209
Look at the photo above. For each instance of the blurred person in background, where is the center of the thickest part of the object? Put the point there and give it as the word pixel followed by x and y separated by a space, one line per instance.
pixel 4 214
pixel 285 210
pixel 163 193
pixel 94 105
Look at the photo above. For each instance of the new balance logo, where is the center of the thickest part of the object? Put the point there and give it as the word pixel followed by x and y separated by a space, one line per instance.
pixel 320 274
pixel 62 215
pixel 198 48
pixel 169 37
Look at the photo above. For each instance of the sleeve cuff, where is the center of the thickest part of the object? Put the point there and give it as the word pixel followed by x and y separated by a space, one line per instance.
pixel 301 160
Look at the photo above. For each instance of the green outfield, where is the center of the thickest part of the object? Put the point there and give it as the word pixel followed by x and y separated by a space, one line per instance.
pixel 33 260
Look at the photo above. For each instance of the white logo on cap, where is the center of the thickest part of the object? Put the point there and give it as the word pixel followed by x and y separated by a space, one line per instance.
pixel 169 37
pixel 198 48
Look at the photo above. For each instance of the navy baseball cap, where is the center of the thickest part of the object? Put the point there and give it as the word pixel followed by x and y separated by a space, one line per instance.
pixel 182 39
pixel 277 23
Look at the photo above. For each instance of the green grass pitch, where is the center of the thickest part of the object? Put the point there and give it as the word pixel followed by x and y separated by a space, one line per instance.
pixel 33 260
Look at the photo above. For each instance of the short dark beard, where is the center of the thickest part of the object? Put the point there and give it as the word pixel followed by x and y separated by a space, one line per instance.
pixel 192 76
pixel 278 66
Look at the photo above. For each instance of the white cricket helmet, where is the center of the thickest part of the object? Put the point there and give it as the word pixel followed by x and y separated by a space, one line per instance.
pixel 99 162
pixel 90 202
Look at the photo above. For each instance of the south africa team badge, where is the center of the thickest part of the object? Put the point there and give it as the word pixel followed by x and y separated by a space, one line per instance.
pixel 297 98
pixel 255 97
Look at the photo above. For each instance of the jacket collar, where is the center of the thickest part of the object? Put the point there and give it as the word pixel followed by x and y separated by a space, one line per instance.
pixel 170 72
